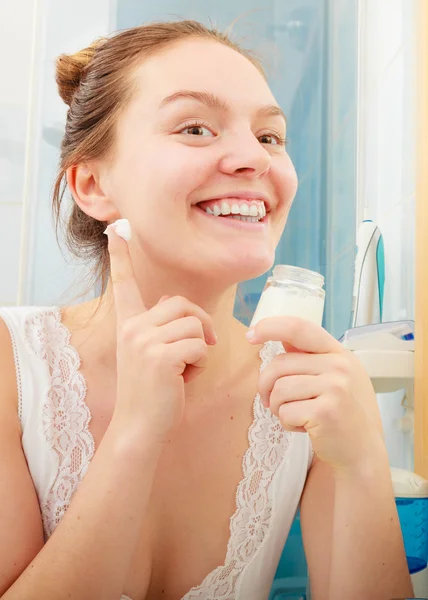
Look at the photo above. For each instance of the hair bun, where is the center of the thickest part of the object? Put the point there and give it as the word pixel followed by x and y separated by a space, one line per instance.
pixel 70 69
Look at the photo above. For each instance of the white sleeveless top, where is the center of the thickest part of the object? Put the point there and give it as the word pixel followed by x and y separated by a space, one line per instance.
pixel 59 447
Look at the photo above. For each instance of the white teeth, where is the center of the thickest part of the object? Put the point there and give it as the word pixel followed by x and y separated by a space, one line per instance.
pixel 225 208
pixel 254 211
pixel 247 219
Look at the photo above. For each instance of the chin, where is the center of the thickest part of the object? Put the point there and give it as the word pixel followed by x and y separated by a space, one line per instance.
pixel 254 270
pixel 238 267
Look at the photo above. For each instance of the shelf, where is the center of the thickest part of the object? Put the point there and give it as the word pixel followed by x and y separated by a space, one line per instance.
pixel 389 370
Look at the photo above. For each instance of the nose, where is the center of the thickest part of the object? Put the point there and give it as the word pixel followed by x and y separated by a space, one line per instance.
pixel 245 156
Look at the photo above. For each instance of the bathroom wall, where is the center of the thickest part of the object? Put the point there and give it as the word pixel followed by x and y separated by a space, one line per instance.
pixel 386 179
pixel 386 169
pixel 16 43
pixel 32 116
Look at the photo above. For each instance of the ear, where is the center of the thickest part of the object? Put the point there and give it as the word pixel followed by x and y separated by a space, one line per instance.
pixel 84 183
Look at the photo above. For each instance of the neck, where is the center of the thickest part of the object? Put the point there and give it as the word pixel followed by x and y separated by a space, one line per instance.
pixel 224 359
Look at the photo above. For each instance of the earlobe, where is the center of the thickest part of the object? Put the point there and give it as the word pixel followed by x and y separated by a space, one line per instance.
pixel 85 188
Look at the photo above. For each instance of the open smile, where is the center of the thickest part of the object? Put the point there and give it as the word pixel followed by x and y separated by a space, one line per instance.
pixel 235 212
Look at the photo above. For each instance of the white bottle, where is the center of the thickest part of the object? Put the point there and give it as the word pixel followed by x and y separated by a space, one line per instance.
pixel 292 291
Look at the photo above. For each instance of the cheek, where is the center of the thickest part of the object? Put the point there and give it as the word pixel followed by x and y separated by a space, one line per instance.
pixel 156 174
pixel 175 170
pixel 285 181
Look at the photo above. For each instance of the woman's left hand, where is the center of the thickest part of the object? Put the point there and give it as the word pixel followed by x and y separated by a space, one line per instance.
pixel 319 387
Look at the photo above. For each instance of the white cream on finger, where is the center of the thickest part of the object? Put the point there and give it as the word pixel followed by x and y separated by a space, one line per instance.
pixel 122 228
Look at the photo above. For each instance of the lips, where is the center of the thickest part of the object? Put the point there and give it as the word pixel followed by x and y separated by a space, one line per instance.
pixel 239 221
pixel 245 196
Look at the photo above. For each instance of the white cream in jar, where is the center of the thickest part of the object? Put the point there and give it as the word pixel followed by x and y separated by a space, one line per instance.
pixel 292 291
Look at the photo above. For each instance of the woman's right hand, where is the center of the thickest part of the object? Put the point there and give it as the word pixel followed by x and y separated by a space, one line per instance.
pixel 157 351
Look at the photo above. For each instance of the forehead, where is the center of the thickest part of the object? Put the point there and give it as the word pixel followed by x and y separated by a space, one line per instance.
pixel 202 65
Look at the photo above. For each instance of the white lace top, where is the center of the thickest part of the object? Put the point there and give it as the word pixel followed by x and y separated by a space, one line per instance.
pixel 59 446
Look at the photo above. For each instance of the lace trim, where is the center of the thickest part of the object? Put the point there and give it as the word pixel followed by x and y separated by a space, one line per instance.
pixel 268 445
pixel 66 419
pixel 66 416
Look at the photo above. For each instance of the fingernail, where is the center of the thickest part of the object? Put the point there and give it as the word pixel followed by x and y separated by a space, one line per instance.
pixel 212 341
pixel 250 334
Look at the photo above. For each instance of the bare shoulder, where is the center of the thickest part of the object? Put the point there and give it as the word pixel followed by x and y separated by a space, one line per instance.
pixel 9 391
pixel 20 521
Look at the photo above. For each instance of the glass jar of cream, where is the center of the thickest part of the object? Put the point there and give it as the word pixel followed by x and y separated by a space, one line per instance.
pixel 292 291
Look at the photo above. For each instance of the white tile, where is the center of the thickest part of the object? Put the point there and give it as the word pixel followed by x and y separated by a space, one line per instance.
pixel 16 44
pixel 10 237
pixel 16 38
pixel 13 132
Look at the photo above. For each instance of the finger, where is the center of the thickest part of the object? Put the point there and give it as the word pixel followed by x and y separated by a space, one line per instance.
pixel 191 372
pixel 290 348
pixel 185 328
pixel 294 416
pixel 295 429
pixel 127 296
pixel 187 352
pixel 178 307
pixel 294 388
pixel 288 364
pixel 301 334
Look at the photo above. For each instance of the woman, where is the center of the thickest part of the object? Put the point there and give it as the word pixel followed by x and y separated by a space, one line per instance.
pixel 150 466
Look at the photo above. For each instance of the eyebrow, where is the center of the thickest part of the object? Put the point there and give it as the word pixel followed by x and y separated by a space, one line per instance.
pixel 213 101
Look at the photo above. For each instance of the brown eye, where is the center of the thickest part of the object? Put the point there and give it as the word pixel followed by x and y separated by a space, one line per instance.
pixel 267 139
pixel 197 130
pixel 272 140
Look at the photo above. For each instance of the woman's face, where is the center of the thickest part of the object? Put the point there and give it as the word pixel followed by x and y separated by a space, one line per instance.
pixel 203 133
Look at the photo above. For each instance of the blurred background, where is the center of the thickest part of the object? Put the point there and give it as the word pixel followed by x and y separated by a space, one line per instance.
pixel 343 71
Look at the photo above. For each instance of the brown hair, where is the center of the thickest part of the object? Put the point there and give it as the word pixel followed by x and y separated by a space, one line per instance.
pixel 96 84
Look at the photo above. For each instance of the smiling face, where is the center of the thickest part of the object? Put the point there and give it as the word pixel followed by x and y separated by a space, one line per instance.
pixel 200 167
